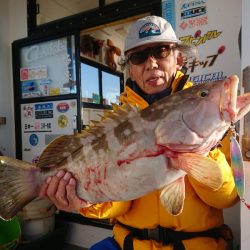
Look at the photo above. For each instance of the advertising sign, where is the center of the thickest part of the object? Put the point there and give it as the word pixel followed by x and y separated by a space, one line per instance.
pixel 43 122
pixel 214 28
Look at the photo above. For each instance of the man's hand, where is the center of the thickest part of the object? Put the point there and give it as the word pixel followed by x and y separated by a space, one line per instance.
pixel 61 190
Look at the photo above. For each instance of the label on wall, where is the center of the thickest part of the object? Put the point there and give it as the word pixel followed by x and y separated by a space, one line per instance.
pixel 44 121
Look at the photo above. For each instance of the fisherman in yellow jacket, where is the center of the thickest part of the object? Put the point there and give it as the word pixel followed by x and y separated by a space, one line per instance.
pixel 154 58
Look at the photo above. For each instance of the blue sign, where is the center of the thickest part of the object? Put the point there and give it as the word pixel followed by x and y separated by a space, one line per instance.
pixel 33 139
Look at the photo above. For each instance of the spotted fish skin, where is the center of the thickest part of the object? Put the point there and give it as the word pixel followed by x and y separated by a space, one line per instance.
pixel 130 153
pixel 124 160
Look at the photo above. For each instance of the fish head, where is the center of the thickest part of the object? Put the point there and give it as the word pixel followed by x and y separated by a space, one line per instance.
pixel 197 117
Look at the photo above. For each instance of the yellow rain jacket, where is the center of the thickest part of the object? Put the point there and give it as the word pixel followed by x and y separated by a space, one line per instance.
pixel 202 207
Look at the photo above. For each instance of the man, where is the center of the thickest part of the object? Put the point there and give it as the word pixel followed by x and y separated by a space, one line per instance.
pixel 154 58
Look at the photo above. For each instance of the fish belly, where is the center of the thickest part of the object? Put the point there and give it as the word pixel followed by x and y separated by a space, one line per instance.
pixel 128 181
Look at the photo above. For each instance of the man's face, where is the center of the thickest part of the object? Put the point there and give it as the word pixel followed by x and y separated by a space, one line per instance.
pixel 155 74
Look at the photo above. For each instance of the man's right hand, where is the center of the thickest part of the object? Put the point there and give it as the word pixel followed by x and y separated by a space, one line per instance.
pixel 61 190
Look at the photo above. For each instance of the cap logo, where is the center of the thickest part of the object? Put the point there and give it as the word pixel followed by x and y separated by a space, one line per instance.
pixel 149 29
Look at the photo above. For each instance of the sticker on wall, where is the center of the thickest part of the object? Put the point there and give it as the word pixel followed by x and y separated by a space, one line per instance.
pixel 28 111
pixel 62 121
pixel 194 12
pixel 24 74
pixel 33 73
pixel 209 77
pixel 33 94
pixel 44 110
pixel 28 126
pixel 37 127
pixel 29 86
pixel 209 61
pixel 46 126
pixel 33 140
pixel 194 22
pixel 27 149
pixel 62 107
pixel 54 91
pixel 192 4
pixel 198 38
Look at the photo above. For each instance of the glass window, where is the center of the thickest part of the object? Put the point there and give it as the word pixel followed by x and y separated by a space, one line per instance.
pixel 90 84
pixel 99 85
pixel 48 68
pixel 110 88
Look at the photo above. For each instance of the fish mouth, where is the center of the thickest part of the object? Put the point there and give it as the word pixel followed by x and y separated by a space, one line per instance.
pixel 201 149
pixel 205 148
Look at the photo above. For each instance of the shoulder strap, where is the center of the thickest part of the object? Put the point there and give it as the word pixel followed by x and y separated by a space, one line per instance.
pixel 169 236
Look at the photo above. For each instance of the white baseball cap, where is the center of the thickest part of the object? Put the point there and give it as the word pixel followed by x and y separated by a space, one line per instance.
pixel 149 29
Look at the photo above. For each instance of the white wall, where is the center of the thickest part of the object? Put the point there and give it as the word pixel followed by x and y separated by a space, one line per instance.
pixel 13 25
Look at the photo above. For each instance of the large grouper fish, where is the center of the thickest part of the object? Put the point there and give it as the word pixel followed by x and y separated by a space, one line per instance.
pixel 130 153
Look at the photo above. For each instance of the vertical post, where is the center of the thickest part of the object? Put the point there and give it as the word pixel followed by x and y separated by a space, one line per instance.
pixel 31 16
pixel 101 4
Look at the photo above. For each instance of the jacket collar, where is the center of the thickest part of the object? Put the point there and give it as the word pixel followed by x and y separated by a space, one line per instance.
pixel 134 95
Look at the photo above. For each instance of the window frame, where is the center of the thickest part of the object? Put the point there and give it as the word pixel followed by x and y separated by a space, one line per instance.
pixel 101 68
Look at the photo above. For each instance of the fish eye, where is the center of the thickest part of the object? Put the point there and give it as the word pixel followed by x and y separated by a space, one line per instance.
pixel 203 93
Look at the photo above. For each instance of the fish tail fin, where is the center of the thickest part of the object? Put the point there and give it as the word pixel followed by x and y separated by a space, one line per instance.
pixel 172 196
pixel 18 185
pixel 201 168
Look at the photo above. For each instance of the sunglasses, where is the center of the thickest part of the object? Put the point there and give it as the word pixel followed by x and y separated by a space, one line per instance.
pixel 158 52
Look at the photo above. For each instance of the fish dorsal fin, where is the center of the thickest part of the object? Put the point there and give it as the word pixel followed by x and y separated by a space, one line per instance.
pixel 173 195
pixel 118 112
pixel 63 146
pixel 123 111
pixel 201 168
pixel 58 150
pixel 111 118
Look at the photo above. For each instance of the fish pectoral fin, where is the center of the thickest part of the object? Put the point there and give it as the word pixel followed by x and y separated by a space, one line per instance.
pixel 202 169
pixel 172 196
